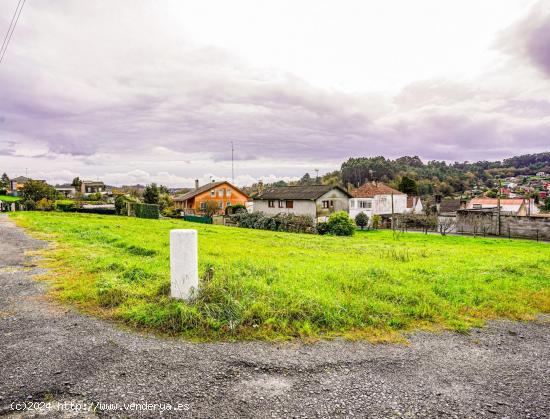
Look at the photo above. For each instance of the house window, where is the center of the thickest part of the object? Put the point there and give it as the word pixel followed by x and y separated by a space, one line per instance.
pixel 281 204
pixel 221 192
pixel 220 204
pixel 326 204
pixel 271 204
pixel 290 204
pixel 477 206
pixel 203 206
pixel 365 204
pixel 213 193
pixel 228 203
pixel 228 192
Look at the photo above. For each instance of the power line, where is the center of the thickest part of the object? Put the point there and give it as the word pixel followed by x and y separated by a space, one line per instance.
pixel 11 29
pixel 11 24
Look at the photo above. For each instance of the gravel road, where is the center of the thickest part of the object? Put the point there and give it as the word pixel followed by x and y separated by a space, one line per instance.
pixel 53 356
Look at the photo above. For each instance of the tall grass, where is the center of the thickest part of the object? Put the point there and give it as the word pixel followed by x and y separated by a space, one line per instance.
pixel 267 285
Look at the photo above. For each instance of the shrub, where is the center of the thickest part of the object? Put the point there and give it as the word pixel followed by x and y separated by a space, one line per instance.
pixel 65 206
pixel 280 222
pixel 29 204
pixel 340 224
pixel 322 228
pixel 146 210
pixel 44 205
pixel 375 221
pixel 234 209
pixel 361 220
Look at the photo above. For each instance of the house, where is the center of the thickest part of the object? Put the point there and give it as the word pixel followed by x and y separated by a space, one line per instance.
pixel 67 190
pixel 16 184
pixel 448 207
pixel 92 186
pixel 542 174
pixel 223 193
pixel 414 205
pixel 376 198
pixel 513 206
pixel 316 201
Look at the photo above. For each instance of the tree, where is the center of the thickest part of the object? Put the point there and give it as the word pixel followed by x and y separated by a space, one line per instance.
pixel 340 224
pixel 546 206
pixel 446 225
pixel 361 220
pixel 4 181
pixel 211 208
pixel 77 183
pixel 165 201
pixel 408 186
pixel 151 194
pixel 35 190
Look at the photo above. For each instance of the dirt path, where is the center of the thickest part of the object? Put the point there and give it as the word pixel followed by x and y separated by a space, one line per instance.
pixel 56 355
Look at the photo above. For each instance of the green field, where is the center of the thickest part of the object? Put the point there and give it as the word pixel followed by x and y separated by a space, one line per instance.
pixel 268 285
pixel 7 198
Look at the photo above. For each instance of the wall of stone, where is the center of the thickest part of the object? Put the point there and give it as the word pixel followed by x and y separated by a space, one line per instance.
pixel 485 223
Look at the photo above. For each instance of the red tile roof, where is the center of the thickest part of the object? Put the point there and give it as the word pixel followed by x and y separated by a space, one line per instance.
pixel 369 190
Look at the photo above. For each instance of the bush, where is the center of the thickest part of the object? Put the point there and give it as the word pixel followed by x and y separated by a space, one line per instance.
pixel 362 220
pixel 322 228
pixel 29 204
pixel 375 221
pixel 65 206
pixel 340 224
pixel 146 210
pixel 234 209
pixel 281 222
pixel 44 205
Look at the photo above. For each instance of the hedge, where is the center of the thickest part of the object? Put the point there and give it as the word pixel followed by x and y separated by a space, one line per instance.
pixel 280 222
pixel 146 210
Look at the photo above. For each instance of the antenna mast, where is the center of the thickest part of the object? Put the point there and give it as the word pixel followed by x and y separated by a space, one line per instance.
pixel 232 164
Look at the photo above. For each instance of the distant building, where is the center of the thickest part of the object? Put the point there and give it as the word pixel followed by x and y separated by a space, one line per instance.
pixel 67 190
pixel 223 193
pixel 16 184
pixel 317 201
pixel 377 199
pixel 92 186
pixel 542 174
pixel 513 206
pixel 414 205
pixel 448 207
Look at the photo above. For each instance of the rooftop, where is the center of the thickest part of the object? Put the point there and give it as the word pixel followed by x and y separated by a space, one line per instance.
pixel 370 190
pixel 304 192
pixel 202 189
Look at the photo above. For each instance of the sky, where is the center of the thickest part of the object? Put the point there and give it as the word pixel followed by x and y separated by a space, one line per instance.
pixel 141 91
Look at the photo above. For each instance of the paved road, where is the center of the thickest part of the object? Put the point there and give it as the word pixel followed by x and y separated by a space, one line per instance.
pixel 52 354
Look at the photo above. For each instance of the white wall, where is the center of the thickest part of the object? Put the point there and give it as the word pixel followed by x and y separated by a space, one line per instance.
pixel 380 204
pixel 301 207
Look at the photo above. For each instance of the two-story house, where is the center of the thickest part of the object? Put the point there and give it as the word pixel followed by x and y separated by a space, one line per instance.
pixel 223 193
pixel 376 198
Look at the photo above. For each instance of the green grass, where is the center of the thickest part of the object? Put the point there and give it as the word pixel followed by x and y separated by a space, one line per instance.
pixel 10 199
pixel 275 286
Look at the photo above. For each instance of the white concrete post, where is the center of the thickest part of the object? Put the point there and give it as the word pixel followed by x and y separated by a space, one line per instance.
pixel 183 263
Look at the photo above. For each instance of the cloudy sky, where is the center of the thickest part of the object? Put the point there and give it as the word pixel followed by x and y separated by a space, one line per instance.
pixel 136 91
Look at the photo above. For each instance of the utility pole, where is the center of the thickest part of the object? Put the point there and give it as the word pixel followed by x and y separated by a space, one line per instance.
pixel 232 164
pixel 316 176
pixel 498 206
pixel 392 218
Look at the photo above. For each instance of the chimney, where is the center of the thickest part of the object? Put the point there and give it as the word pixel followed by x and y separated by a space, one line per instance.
pixel 196 184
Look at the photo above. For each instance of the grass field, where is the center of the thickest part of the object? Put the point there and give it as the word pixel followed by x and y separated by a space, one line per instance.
pixel 267 285
pixel 7 198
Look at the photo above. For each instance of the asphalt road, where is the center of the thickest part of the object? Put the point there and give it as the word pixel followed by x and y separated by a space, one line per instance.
pixel 52 356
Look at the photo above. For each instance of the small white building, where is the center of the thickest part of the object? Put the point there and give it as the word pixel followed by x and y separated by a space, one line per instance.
pixel 376 199
pixel 67 190
pixel 316 201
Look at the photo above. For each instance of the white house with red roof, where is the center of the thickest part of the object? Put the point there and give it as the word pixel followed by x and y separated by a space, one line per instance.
pixel 376 198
